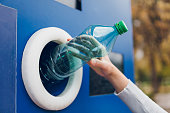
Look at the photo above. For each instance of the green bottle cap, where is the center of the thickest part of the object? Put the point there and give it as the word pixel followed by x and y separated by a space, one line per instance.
pixel 121 27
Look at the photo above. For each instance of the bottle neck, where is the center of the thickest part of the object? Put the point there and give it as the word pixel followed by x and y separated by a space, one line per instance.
pixel 116 30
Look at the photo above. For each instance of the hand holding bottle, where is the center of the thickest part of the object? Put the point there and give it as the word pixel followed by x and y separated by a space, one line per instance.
pixel 102 65
pixel 93 52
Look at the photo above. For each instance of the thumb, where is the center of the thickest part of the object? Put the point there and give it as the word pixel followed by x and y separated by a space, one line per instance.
pixel 95 62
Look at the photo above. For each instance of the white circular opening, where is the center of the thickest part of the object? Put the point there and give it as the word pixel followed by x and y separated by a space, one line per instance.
pixel 31 76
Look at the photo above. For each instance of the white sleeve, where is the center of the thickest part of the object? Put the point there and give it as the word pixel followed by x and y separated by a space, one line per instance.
pixel 137 101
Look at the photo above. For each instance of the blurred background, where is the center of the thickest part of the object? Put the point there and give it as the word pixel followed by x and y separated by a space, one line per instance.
pixel 151 30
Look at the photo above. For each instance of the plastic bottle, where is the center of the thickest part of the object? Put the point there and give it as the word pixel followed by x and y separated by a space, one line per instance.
pixel 62 63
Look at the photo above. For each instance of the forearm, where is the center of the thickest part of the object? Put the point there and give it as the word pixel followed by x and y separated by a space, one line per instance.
pixel 131 95
pixel 117 79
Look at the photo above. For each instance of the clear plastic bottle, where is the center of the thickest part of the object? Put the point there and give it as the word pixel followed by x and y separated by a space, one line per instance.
pixel 64 59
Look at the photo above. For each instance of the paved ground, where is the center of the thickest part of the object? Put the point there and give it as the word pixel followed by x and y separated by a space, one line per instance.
pixel 163 100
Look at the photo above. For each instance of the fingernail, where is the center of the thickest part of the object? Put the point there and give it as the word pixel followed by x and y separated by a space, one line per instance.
pixel 93 61
pixel 68 39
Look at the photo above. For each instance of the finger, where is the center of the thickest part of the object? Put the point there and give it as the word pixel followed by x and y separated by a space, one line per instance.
pixel 69 39
pixel 89 38
pixel 91 42
pixel 85 43
pixel 79 55
pixel 89 62
pixel 99 51
pixel 94 42
pixel 85 37
pixel 81 48
pixel 96 63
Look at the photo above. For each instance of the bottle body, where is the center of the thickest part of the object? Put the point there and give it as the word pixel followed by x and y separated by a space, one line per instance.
pixel 106 35
pixel 63 63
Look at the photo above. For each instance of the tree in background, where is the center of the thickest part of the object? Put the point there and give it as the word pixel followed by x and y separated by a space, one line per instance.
pixel 151 21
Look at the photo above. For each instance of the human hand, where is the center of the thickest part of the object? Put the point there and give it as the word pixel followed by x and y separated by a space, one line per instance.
pixel 90 50
pixel 86 47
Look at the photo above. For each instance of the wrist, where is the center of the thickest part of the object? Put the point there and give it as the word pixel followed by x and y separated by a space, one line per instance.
pixel 113 73
pixel 117 79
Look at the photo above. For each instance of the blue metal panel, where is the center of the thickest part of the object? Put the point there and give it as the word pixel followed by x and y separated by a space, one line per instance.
pixel 7 59
pixel 36 14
